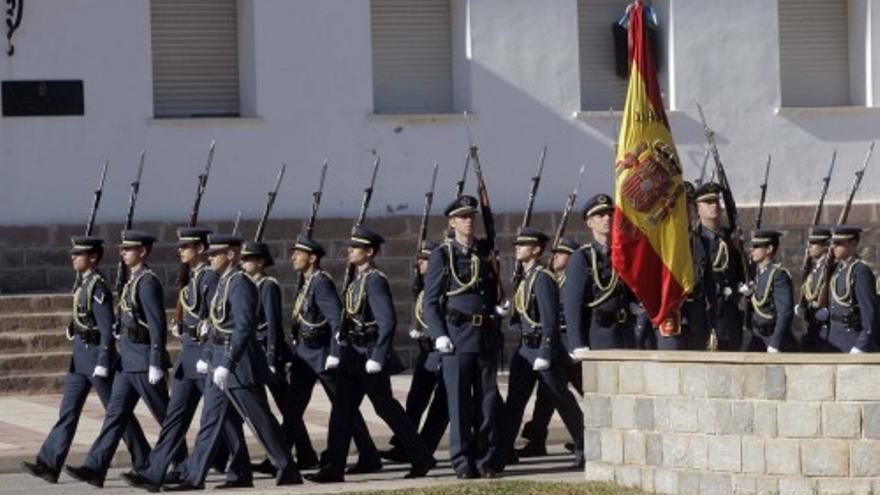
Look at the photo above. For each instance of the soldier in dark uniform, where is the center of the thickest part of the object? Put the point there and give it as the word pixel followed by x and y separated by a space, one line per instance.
pixel 316 311
pixel 535 431
pixel 92 363
pixel 240 371
pixel 459 306
pixel 596 302
pixel 426 380
pixel 144 359
pixel 190 373
pixel 772 300
pixel 366 363
pixel 541 356
pixel 815 316
pixel 726 275
pixel 852 295
pixel 255 258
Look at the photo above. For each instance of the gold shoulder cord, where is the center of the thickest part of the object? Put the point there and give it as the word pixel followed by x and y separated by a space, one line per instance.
pixel 354 302
pixel 299 304
pixel 185 294
pixel 218 306
pixel 606 290
pixel 758 303
pixel 132 286
pixel 90 292
pixel 844 299
pixel 560 280
pixel 523 297
pixel 420 309
pixel 807 287
pixel 722 258
pixel 475 271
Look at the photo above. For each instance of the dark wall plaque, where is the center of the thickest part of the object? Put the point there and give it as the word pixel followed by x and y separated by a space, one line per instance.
pixel 42 98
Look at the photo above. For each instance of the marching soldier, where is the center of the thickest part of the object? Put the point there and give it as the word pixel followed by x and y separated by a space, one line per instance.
pixel 238 373
pixel 366 363
pixel 815 315
pixel 852 296
pixel 459 306
pixel 144 359
pixel 316 310
pixel 426 380
pixel 189 374
pixel 92 363
pixel 255 258
pixel 772 300
pixel 597 304
pixel 726 274
pixel 541 356
pixel 535 431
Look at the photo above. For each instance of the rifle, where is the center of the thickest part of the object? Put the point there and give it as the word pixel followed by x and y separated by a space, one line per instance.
pixel 316 202
pixel 96 202
pixel 527 215
pixel 759 219
pixel 183 271
pixel 817 214
pixel 459 186
pixel 418 281
pixel 236 224
pixel 270 202
pixel 350 268
pixel 488 223
pixel 828 265
pixel 732 217
pixel 121 271
pixel 569 206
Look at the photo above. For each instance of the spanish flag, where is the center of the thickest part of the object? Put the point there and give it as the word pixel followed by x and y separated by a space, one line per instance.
pixel 650 247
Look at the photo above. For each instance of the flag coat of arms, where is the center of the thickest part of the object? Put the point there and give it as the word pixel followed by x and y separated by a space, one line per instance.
pixel 650 240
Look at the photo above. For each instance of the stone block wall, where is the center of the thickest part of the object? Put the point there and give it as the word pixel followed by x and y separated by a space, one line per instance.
pixel 723 424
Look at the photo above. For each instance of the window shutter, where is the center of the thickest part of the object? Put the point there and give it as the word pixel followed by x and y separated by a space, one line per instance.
pixel 601 88
pixel 195 58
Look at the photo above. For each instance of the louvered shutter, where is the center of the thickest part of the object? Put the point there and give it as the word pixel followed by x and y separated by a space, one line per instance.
pixel 814 53
pixel 412 56
pixel 601 88
pixel 195 58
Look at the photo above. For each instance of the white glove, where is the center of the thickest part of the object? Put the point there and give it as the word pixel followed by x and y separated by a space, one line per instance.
pixel 856 350
pixel 415 334
pixel 541 364
pixel 579 349
pixel 332 363
pixel 221 375
pixel 155 375
pixel 204 328
pixel 799 311
pixel 744 289
pixel 202 367
pixel 174 328
pixel 503 309
pixel 444 344
pixel 772 350
pixel 727 292
pixel 821 314
pixel 101 371
pixel 373 367
pixel 272 369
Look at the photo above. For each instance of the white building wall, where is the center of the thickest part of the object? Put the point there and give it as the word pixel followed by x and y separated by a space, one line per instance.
pixel 306 91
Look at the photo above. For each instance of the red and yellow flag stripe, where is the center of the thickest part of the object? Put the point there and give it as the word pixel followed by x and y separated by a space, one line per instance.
pixel 650 241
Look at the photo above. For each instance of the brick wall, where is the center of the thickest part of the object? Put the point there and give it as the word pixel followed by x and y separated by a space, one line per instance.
pixel 700 423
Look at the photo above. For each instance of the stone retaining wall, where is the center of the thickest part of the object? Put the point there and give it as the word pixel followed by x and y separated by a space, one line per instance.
pixel 719 424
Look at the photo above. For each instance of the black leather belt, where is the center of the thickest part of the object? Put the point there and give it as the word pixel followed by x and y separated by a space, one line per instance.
pixel 315 340
pixel 191 331
pixel 532 340
pixel 610 318
pixel 220 338
pixel 459 318
pixel 852 321
pixel 765 329
pixel 88 336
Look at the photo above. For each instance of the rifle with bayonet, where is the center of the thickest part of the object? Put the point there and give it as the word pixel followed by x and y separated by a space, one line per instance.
pixel 316 202
pixel 730 209
pixel 459 186
pixel 236 223
pixel 527 215
pixel 96 202
pixel 566 212
pixel 121 270
pixel 348 276
pixel 760 217
pixel 817 215
pixel 183 271
pixel 270 202
pixel 828 265
pixel 702 178
pixel 418 281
